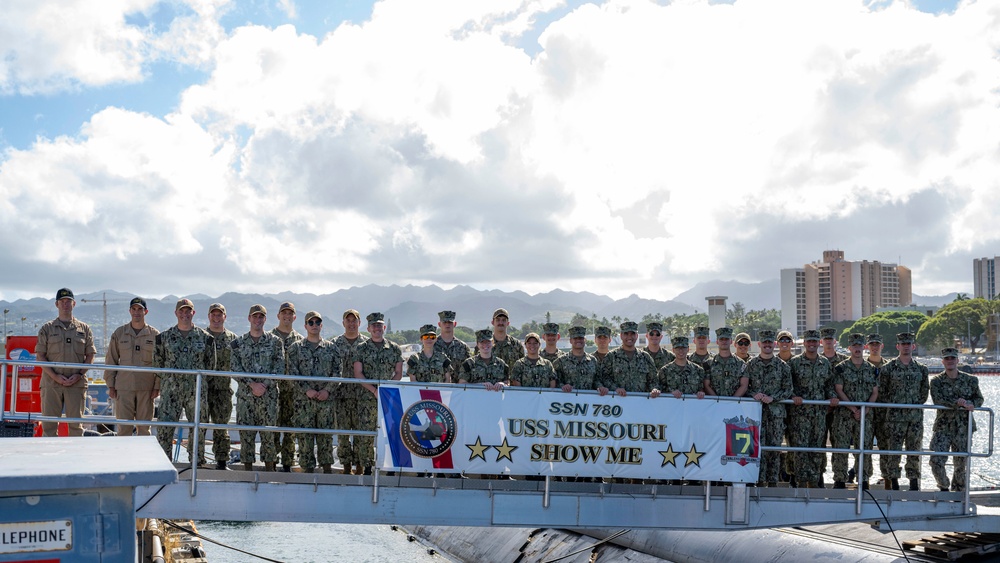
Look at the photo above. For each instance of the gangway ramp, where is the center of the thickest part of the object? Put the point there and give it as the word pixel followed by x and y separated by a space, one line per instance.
pixel 401 499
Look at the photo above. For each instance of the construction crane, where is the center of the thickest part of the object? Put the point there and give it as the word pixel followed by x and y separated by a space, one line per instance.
pixel 104 301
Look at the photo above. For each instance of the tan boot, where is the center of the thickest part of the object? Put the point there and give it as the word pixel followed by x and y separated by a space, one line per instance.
pixel 347 470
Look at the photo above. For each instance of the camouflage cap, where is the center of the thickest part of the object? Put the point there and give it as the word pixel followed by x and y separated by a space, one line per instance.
pixel 741 336
pixel 353 312
pixel 501 312
pixel 374 318
pixel 653 325
pixel 181 303
pixel 602 331
pixel 629 326
pixel 447 316
pixel 679 342
pixel 702 331
pixel 856 339
pixel 428 329
pixel 577 332
pixel 873 338
pixel 287 305
pixel 785 334
pixel 550 328
pixel 258 308
pixel 766 335
pixel 483 335
pixel 313 315
pixel 810 335
pixel 65 293
pixel 906 338
pixel 828 332
pixel 137 301
pixel 724 332
pixel 532 335
pixel 217 306
pixel 949 352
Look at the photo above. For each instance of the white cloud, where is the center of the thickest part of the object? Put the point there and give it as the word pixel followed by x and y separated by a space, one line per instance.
pixel 47 47
pixel 644 148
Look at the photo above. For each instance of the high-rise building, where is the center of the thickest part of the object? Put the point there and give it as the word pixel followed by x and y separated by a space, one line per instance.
pixel 836 289
pixel 984 277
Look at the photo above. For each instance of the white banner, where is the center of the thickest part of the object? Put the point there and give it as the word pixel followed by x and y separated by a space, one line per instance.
pixel 564 434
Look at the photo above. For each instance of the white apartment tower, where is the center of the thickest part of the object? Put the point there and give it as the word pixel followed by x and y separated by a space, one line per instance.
pixel 984 277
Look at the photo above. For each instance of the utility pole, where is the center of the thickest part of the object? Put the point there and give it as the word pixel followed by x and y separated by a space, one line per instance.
pixel 104 303
pixel 5 311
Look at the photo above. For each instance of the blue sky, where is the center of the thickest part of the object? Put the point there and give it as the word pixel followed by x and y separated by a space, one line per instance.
pixel 618 147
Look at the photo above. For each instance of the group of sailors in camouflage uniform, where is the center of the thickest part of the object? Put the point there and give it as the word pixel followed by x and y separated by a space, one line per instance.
pixel 819 373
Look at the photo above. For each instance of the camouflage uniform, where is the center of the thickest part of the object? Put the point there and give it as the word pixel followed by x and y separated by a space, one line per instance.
pixel 174 349
pixel 429 370
pixel 859 382
pixel 661 357
pixel 688 379
pixel 600 359
pixel 457 351
pixel 771 377
pixel 951 426
pixel 725 374
pixel 550 357
pixel 346 400
pixel 903 384
pixel 633 372
pixel 834 360
pixel 578 371
pixel 378 361
pixel 319 359
pixel 813 381
pixel 700 361
pixel 478 370
pixel 286 403
pixel 533 373
pixel 878 415
pixel 265 356
pixel 510 351
pixel 220 394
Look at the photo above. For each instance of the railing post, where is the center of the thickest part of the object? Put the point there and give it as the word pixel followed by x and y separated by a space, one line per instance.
pixel 3 388
pixel 545 497
pixel 193 437
pixel 968 461
pixel 861 460
pixel 14 372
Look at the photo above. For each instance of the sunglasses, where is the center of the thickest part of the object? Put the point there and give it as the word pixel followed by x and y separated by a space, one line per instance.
pixel 313 322
pixel 429 337
pixel 743 343
pixel 784 340
pixel 654 333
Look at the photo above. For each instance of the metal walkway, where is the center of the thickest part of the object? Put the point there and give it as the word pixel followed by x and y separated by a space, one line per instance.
pixel 300 497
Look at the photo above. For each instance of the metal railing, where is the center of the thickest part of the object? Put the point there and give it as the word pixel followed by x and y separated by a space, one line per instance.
pixel 197 425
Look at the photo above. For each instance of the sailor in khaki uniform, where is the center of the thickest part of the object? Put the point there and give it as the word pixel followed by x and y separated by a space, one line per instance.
pixel 65 339
pixel 132 344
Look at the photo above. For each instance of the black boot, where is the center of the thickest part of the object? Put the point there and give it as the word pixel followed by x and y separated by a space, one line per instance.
pixel 851 474
pixel 864 485
pixel 221 465
pixel 914 484
pixel 839 485
pixel 895 483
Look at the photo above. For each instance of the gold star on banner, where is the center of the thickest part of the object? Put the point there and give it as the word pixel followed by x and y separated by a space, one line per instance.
pixel 693 456
pixel 477 449
pixel 504 450
pixel 668 456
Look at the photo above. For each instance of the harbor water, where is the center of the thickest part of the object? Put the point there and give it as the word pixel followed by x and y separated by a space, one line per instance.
pixel 319 542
